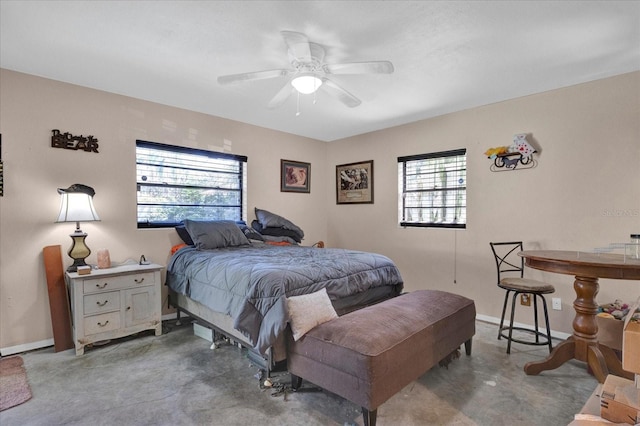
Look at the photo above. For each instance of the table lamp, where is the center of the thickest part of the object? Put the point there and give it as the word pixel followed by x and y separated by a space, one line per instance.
pixel 76 205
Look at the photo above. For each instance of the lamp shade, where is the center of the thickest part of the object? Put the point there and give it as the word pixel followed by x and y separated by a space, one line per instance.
pixel 76 204
pixel 306 83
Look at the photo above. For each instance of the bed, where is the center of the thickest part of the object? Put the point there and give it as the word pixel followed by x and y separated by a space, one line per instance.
pixel 239 287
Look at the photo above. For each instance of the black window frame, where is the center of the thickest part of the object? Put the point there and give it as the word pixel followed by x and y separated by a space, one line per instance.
pixel 241 175
pixel 403 161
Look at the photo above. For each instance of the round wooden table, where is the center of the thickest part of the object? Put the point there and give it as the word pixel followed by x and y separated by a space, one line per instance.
pixel 583 344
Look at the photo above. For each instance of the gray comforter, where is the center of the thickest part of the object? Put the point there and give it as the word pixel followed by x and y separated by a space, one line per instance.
pixel 251 283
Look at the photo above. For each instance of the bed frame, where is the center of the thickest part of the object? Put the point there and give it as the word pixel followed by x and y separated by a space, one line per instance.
pixel 275 358
pixel 222 327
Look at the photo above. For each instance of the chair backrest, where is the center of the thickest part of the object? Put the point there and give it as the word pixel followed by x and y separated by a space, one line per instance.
pixel 507 259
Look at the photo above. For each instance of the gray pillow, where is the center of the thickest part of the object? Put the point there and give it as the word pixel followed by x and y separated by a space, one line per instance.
pixel 271 220
pixel 207 235
pixel 184 235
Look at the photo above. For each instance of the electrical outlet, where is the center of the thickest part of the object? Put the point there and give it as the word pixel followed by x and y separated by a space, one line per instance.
pixel 556 303
pixel 525 299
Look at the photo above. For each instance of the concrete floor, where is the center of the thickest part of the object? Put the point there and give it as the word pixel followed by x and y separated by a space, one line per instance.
pixel 175 379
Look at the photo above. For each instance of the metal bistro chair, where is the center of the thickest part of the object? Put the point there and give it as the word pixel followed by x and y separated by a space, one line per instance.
pixel 508 261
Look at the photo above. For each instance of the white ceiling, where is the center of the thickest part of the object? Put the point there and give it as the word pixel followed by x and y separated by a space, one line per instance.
pixel 448 55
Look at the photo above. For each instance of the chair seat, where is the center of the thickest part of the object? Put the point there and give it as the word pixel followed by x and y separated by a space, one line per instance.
pixel 526 285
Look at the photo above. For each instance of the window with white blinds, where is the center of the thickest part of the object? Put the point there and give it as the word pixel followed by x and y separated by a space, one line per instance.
pixel 176 183
pixel 433 189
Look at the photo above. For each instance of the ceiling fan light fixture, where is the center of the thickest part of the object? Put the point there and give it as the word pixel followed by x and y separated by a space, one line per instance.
pixel 306 83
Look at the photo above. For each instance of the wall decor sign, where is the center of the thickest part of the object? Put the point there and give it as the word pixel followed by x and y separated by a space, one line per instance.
pixel 519 153
pixel 295 176
pixel 77 143
pixel 354 183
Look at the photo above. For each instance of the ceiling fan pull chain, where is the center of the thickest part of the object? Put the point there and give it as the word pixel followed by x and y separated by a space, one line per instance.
pixel 298 105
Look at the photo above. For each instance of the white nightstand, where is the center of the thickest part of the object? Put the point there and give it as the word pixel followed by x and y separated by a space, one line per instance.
pixel 115 302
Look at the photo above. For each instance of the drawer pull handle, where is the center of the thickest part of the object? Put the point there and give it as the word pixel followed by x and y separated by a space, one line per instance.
pixel 103 324
pixel 128 308
pixel 101 286
pixel 138 281
pixel 103 303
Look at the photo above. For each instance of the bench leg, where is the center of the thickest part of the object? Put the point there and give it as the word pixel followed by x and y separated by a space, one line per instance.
pixel 296 382
pixel 369 417
pixel 467 347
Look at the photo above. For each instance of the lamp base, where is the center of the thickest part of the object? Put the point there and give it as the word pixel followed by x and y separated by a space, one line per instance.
pixel 78 251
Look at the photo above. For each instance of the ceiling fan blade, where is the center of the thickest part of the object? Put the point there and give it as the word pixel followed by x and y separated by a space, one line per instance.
pixel 249 76
pixel 298 45
pixel 339 93
pixel 374 67
pixel 281 96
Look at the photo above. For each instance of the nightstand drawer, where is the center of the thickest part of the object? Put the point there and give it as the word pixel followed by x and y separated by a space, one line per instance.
pixel 100 323
pixel 101 302
pixel 117 282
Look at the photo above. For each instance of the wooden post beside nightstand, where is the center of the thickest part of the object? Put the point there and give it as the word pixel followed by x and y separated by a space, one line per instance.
pixel 114 302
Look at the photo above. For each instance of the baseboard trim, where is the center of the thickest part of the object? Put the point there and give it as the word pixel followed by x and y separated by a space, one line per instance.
pixel 171 316
pixel 493 320
pixel 12 350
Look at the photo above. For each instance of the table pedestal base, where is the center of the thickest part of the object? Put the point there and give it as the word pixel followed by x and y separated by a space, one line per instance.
pixel 601 359
pixel 583 344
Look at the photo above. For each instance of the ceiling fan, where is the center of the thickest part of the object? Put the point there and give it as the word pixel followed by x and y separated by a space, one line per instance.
pixel 309 72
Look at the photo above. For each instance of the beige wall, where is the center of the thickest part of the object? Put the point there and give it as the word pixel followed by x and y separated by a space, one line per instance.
pixel 585 191
pixel 31 107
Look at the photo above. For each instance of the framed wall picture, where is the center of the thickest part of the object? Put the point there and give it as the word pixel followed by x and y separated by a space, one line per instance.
pixel 295 176
pixel 354 183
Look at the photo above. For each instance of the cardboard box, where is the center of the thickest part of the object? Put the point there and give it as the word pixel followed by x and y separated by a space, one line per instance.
pixel 620 400
pixel 202 332
pixel 610 332
pixel 631 343
pixel 84 270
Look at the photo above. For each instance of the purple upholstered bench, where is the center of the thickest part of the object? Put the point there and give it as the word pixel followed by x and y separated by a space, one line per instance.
pixel 369 355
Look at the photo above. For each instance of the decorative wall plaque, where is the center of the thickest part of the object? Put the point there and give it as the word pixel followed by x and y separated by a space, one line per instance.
pixel 77 143
pixel 520 152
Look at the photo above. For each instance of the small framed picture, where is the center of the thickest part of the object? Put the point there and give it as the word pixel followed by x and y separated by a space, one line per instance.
pixel 295 176
pixel 354 183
